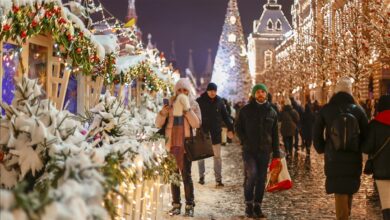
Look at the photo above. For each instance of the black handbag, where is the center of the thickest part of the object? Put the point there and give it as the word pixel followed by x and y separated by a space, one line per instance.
pixel 161 131
pixel 369 166
pixel 198 147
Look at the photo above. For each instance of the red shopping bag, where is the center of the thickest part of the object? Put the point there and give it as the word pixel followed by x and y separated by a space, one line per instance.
pixel 278 177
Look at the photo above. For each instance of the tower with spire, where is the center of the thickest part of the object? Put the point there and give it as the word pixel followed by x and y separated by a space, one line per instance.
pixel 268 32
pixel 131 12
pixel 150 46
pixel 230 70
pixel 190 71
pixel 191 66
pixel 207 73
pixel 172 58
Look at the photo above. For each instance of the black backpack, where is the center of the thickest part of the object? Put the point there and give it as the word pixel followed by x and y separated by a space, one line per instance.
pixel 344 131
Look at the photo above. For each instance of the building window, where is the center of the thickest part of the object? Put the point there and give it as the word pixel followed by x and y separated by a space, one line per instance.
pixel 267 59
pixel 270 25
pixel 278 25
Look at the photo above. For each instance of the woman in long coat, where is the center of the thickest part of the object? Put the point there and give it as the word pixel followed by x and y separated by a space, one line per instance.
pixel 179 117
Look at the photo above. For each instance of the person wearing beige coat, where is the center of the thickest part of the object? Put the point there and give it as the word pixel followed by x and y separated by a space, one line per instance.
pixel 181 115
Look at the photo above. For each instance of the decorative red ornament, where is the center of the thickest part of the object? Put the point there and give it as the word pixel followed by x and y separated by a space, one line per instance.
pixel 34 23
pixel 78 50
pixel 61 21
pixel 15 9
pixel 57 10
pixel 70 37
pixel 6 27
pixel 48 14
pixel 23 34
pixel 81 34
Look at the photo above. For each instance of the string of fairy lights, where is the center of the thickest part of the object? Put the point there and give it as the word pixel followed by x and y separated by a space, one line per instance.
pixel 359 44
pixel 145 196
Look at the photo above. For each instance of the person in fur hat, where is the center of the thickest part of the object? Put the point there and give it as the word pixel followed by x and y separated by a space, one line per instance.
pixel 183 113
pixel 343 167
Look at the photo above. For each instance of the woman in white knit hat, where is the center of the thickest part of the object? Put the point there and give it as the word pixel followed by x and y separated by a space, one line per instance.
pixel 183 113
pixel 343 158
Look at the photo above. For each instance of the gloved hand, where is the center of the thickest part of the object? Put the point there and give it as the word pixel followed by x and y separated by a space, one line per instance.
pixel 181 104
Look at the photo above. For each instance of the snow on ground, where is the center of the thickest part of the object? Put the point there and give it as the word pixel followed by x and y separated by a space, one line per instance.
pixel 307 199
pixel 213 203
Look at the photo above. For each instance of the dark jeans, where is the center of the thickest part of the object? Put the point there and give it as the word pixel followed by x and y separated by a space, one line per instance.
pixel 188 184
pixel 288 144
pixel 296 139
pixel 255 166
pixel 307 143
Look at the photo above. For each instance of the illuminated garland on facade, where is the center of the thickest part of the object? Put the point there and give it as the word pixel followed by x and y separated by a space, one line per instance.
pixel 24 22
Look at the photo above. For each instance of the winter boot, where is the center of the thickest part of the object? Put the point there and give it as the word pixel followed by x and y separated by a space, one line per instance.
pixel 386 214
pixel 249 210
pixel 219 184
pixel 189 211
pixel 307 152
pixel 201 181
pixel 175 209
pixel 257 213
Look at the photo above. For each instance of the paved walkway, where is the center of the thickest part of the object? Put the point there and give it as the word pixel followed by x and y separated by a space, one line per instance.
pixel 306 200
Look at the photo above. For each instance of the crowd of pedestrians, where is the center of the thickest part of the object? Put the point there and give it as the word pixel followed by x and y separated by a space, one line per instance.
pixel 341 130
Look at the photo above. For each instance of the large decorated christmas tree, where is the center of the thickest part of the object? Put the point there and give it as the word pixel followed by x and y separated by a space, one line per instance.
pixel 231 72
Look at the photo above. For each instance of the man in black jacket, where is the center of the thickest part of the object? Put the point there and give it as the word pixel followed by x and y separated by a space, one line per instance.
pixel 297 107
pixel 213 112
pixel 257 128
pixel 343 168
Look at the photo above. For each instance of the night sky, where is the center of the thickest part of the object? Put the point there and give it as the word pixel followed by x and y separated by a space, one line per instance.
pixel 195 24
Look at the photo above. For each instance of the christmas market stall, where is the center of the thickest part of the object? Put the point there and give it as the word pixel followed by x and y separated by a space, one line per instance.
pixel 106 162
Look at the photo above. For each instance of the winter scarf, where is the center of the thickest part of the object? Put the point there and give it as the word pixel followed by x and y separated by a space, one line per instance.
pixel 383 117
pixel 177 142
pixel 181 104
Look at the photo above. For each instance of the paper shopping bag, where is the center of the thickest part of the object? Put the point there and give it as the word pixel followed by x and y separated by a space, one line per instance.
pixel 278 177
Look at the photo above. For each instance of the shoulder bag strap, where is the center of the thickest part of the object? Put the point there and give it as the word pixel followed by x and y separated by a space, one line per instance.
pixel 381 148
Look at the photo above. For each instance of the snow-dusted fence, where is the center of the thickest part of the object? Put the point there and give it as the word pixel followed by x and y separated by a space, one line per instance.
pixel 144 200
pixel 58 84
pixel 93 91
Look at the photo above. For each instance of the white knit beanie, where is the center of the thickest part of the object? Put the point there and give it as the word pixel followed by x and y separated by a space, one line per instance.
pixel 344 84
pixel 183 83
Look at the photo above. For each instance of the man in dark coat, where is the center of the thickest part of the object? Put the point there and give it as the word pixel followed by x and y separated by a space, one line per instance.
pixel 214 112
pixel 257 129
pixel 289 119
pixel 307 125
pixel 342 168
pixel 298 132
